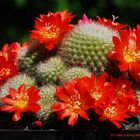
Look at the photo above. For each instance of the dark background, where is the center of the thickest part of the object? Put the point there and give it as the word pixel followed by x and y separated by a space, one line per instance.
pixel 17 16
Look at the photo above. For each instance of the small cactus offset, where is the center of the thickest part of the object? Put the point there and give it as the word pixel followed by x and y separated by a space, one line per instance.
pixel 50 70
pixel 87 45
pixel 15 82
pixel 47 98
pixel 73 73
pixel 30 55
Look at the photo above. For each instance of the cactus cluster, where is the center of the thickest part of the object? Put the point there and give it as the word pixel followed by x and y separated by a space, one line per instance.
pixel 49 70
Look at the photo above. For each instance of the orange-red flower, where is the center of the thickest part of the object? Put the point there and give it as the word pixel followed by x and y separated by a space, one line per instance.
pixel 111 23
pixel 123 90
pixel 127 51
pixel 8 66
pixel 9 52
pixel 114 112
pixel 100 89
pixel 74 102
pixel 21 100
pixel 50 28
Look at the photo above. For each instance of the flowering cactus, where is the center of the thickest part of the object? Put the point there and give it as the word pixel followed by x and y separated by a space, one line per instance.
pixel 62 72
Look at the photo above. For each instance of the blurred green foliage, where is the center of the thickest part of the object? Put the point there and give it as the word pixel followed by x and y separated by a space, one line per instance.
pixel 17 16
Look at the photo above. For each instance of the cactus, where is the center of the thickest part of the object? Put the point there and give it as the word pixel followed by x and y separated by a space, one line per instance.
pixel 87 45
pixel 47 98
pixel 15 82
pixel 30 56
pixel 75 72
pixel 50 70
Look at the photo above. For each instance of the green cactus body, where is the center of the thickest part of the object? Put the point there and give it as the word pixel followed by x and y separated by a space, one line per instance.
pixel 30 56
pixel 75 72
pixel 87 45
pixel 15 82
pixel 50 70
pixel 47 98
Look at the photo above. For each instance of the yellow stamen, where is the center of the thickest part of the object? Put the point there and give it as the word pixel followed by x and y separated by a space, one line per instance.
pixel 97 93
pixel 21 103
pixel 131 108
pixel 110 112
pixel 74 103
pixel 130 55
pixel 122 91
pixel 50 31
pixel 4 71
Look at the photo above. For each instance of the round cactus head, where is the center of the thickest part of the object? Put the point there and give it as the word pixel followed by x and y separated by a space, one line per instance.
pixel 87 44
pixel 74 72
pixel 50 70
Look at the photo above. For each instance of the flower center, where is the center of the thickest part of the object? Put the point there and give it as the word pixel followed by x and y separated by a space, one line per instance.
pixel 22 103
pixel 50 31
pixel 110 112
pixel 97 93
pixel 4 71
pixel 74 103
pixel 121 92
pixel 131 108
pixel 130 55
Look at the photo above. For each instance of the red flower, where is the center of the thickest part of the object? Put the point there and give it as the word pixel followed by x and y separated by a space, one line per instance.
pixel 74 101
pixel 49 29
pixel 100 90
pixel 21 100
pixel 127 52
pixel 112 24
pixel 9 52
pixel 8 56
pixel 123 90
pixel 114 112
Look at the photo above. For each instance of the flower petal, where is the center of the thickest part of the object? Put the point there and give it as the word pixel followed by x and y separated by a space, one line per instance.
pixel 58 106
pixel 13 92
pixel 83 114
pixel 135 71
pixel 17 115
pixel 73 119
pixel 34 108
pixel 64 113
pixel 8 101
pixel 50 46
pixel 70 87
pixel 21 88
pixel 61 94
pixel 7 108
pixel 123 66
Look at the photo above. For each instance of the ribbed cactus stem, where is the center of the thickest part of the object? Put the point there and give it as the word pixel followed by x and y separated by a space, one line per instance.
pixel 47 98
